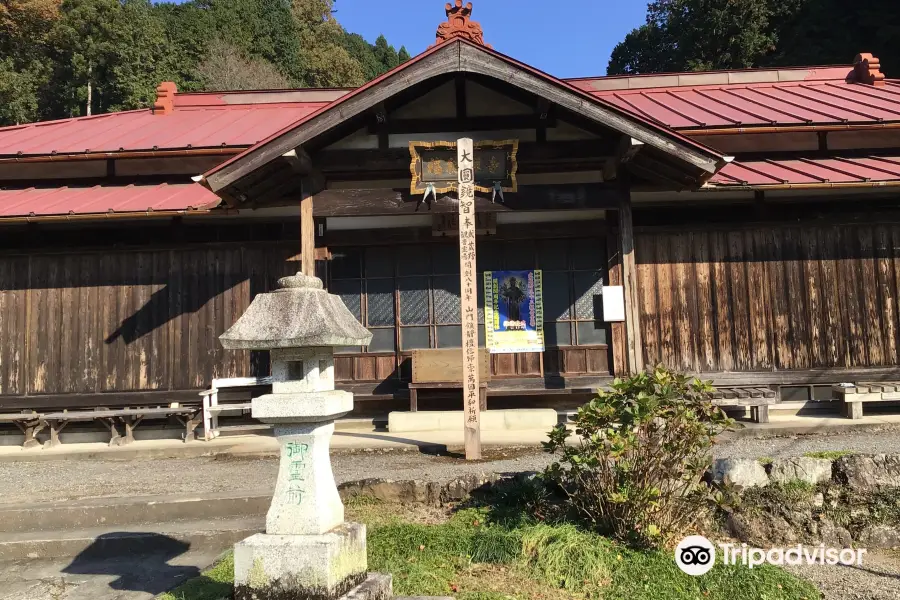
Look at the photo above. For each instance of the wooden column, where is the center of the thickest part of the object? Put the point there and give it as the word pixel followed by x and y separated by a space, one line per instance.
pixel 633 349
pixel 307 235
pixel 614 268
pixel 469 299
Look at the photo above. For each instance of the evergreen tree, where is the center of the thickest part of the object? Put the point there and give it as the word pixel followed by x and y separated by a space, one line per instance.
pixel 385 54
pixel 62 58
pixel 364 53
pixel 25 27
pixel 325 62
pixel 693 35
pixel 403 55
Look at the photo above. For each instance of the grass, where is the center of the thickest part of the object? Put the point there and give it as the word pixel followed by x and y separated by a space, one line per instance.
pixel 765 460
pixel 214 584
pixel 473 556
pixel 829 454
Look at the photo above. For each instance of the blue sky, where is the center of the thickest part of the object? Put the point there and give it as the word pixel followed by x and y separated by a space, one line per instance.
pixel 566 39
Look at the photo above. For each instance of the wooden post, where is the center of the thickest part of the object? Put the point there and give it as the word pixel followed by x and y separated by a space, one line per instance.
pixel 468 298
pixel 634 351
pixel 307 235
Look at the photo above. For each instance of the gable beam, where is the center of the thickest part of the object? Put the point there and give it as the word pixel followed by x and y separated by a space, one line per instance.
pixel 401 126
pixel 451 58
pixel 475 60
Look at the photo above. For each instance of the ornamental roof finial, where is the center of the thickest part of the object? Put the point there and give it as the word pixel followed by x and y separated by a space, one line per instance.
pixel 867 69
pixel 459 24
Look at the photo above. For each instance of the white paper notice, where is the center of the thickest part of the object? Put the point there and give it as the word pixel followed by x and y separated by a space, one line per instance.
pixel 613 303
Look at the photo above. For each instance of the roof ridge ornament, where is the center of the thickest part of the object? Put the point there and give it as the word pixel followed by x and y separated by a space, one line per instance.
pixel 459 24
pixel 165 98
pixel 867 70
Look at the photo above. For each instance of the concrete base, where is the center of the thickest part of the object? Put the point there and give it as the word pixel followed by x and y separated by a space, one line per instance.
pixel 518 419
pixel 314 567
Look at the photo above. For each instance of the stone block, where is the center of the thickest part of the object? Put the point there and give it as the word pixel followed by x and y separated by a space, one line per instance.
pixel 304 407
pixel 306 500
pixel 325 566
pixel 810 470
pixel 744 472
pixel 867 473
pixel 518 419
pixel 880 536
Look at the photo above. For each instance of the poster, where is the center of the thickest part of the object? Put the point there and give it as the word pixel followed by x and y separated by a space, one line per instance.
pixel 513 311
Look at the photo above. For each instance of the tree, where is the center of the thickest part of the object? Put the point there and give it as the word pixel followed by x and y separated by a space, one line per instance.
pixel 386 54
pixel 225 68
pixel 693 35
pixel 25 27
pixel 64 58
pixel 403 55
pixel 697 35
pixel 325 61
pixel 364 53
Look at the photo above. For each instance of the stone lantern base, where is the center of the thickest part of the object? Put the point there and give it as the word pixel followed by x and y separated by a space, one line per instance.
pixel 307 567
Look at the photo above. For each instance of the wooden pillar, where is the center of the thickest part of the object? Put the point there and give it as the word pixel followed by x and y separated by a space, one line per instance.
pixel 633 348
pixel 614 269
pixel 469 298
pixel 307 235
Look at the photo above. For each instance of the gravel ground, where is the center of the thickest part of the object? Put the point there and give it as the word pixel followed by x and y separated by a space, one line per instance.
pixel 870 442
pixel 878 578
pixel 73 479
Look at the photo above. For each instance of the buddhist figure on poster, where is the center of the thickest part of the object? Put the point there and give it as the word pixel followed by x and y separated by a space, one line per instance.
pixel 491 169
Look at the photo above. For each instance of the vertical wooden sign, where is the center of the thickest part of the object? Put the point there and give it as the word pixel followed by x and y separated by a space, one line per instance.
pixel 468 297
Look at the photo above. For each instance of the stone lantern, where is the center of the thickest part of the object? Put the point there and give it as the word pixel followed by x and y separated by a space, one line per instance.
pixel 307 551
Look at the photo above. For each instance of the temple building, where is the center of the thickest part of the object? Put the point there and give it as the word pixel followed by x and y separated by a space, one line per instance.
pixel 748 220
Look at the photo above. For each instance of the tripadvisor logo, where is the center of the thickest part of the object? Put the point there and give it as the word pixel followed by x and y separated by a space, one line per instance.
pixel 696 555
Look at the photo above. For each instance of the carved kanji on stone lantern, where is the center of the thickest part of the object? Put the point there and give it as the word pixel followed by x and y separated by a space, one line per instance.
pixel 459 24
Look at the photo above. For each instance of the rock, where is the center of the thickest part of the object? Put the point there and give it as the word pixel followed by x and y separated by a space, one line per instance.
pixel 867 473
pixel 810 470
pixel 743 472
pixel 834 536
pixel 819 500
pixel 880 536
pixel 761 530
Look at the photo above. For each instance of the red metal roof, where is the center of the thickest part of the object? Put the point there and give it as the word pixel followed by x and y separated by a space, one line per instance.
pixel 207 126
pixel 811 102
pixel 874 170
pixel 105 199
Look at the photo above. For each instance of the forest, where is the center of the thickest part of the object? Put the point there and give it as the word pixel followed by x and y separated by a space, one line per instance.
pixel 704 35
pixel 80 57
pixel 68 58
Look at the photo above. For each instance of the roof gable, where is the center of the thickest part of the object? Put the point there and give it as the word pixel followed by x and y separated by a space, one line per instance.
pixel 462 56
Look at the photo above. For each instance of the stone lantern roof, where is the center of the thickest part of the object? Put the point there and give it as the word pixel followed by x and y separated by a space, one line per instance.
pixel 299 314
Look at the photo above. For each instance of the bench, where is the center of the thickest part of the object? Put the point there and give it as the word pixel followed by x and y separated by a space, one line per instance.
pixel 440 369
pixel 853 396
pixel 30 423
pixel 757 398
pixel 130 417
pixel 212 408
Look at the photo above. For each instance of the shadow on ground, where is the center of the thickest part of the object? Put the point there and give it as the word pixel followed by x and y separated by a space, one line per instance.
pixel 138 561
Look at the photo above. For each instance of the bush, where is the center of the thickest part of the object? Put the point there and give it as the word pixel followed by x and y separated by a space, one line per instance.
pixel 636 472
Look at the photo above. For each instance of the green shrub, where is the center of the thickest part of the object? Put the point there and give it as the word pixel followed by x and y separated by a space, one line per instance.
pixel 635 473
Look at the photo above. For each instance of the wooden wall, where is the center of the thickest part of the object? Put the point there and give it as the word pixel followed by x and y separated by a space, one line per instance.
pixel 117 321
pixel 770 297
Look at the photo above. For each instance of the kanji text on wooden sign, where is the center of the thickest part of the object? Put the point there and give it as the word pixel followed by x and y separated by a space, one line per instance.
pixel 434 166
pixel 465 162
